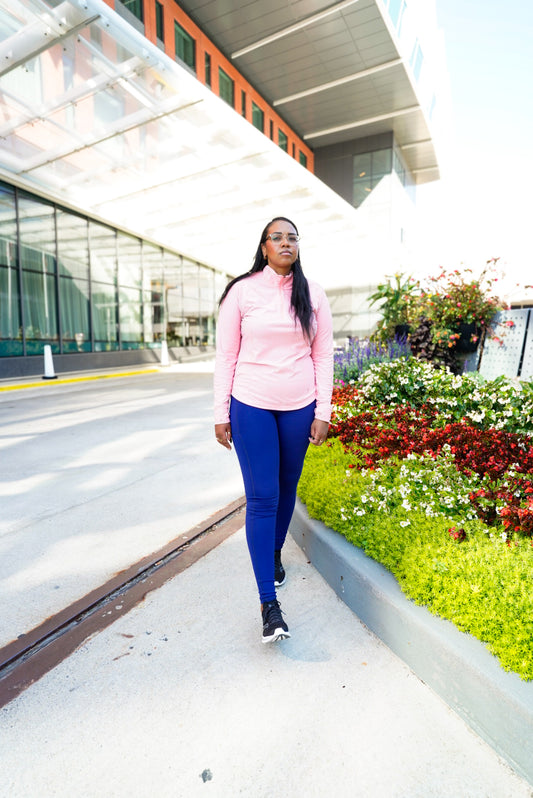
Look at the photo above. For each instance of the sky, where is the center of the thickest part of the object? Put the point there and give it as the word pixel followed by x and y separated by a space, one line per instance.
pixel 482 207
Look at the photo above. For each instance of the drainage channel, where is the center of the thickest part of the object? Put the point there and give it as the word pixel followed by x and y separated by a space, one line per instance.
pixel 30 656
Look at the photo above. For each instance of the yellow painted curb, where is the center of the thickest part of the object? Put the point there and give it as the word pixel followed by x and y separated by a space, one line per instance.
pixel 76 379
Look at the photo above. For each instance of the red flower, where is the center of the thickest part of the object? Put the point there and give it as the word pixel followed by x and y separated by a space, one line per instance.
pixel 380 433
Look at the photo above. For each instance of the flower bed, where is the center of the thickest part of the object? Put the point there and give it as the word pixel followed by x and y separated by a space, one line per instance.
pixel 360 354
pixel 432 475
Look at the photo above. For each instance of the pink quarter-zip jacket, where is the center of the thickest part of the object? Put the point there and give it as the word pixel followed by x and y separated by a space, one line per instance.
pixel 262 356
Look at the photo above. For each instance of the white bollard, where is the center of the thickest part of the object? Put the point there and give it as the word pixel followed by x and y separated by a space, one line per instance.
pixel 49 373
pixel 164 354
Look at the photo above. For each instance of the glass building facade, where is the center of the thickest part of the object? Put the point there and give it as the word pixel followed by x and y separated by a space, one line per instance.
pixel 82 286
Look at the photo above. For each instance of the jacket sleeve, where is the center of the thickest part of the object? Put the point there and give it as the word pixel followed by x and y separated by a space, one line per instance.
pixel 228 344
pixel 322 356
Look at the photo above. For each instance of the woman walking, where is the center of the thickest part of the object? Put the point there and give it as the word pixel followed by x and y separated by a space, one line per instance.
pixel 273 384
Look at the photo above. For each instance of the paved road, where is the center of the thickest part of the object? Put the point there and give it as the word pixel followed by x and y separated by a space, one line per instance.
pixel 96 475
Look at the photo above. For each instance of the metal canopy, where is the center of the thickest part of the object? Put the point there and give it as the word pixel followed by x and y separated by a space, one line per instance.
pixel 93 115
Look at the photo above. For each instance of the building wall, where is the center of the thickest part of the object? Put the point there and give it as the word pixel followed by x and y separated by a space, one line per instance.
pixel 370 174
pixel 274 124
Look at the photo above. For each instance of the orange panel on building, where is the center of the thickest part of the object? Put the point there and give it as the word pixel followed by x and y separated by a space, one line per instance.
pixel 172 13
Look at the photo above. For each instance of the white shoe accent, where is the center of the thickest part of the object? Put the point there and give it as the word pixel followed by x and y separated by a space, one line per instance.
pixel 278 634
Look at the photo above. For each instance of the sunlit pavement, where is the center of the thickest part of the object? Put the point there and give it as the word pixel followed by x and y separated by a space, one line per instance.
pixel 97 474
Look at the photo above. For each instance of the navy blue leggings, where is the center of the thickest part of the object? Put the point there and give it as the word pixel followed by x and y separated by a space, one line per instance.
pixel 271 446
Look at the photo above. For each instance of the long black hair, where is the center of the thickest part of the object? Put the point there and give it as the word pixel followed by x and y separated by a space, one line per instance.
pixel 300 296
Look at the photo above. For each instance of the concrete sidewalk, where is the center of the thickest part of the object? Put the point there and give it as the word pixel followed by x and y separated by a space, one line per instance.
pixel 179 697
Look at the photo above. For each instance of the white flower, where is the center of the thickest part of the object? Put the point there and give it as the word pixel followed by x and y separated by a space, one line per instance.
pixel 404 523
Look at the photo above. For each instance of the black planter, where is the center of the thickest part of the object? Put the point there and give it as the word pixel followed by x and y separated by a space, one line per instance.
pixel 401 331
pixel 465 343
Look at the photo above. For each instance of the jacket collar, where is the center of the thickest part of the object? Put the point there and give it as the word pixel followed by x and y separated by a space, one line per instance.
pixel 285 281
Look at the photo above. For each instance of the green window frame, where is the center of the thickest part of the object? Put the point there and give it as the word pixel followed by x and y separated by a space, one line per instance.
pixel 283 141
pixel 159 20
pixel 185 46
pixel 136 8
pixel 258 117
pixel 226 87
pixel 302 157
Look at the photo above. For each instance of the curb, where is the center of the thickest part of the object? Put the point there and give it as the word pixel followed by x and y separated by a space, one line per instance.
pixel 497 705
pixel 19 386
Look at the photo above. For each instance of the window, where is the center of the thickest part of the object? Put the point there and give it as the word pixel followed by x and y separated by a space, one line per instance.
pixel 258 117
pixel 243 103
pixel 396 9
pixel 136 8
pixel 10 323
pixel 72 245
pixel 272 130
pixel 129 261
pixel 74 302
pixel 103 248
pixel 302 157
pixel 417 59
pixel 185 46
pixel 82 286
pixel 130 318
pixel 159 21
pixel 37 234
pixel 153 314
pixel 10 341
pixel 369 169
pixel 104 317
pixel 40 311
pixel 283 141
pixel 208 70
pixel 226 87
pixel 399 167
pixel 38 258
pixel 191 303
pixel 73 265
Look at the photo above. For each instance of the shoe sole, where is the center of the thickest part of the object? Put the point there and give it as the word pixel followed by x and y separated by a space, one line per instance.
pixel 279 634
pixel 279 584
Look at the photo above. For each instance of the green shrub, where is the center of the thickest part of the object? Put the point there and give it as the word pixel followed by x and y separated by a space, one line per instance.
pixel 415 518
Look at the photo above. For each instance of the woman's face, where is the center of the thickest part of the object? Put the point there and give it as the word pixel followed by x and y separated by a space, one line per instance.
pixel 281 253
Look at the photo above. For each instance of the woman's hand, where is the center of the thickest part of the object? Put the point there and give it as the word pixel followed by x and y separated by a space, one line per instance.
pixel 319 432
pixel 223 434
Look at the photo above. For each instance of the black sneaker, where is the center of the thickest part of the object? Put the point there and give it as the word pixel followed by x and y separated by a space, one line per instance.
pixel 279 570
pixel 274 627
